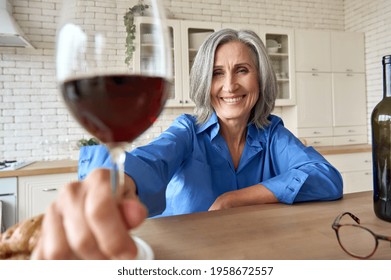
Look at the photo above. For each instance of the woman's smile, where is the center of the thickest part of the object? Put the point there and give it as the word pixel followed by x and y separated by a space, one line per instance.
pixel 233 100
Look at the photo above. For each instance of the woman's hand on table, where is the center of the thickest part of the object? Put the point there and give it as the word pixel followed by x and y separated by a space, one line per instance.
pixel 87 222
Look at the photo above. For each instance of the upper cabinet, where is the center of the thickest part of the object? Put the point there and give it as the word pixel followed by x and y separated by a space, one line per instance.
pixel 186 37
pixel 347 52
pixel 193 34
pixel 143 45
pixel 280 48
pixel 313 51
pixel 331 90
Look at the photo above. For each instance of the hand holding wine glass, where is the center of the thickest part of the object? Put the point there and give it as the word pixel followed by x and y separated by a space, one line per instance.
pixel 115 103
pixel 112 101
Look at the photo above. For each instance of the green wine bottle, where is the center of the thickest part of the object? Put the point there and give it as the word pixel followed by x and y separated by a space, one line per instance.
pixel 381 147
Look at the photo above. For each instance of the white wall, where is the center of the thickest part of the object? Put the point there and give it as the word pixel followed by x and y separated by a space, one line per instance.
pixel 374 19
pixel 35 125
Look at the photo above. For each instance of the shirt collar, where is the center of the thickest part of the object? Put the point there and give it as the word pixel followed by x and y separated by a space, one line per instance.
pixel 212 122
pixel 254 135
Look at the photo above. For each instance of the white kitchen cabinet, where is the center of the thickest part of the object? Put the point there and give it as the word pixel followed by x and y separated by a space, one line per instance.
pixel 8 202
pixel 313 51
pixel 314 100
pixel 141 62
pixel 193 35
pixel 314 107
pixel 349 103
pixel 347 52
pixel 356 170
pixel 186 37
pixel 35 193
pixel 349 99
pixel 283 62
pixel 329 94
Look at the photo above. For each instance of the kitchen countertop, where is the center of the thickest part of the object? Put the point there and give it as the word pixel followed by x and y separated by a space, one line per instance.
pixel 69 166
pixel 43 168
pixel 345 149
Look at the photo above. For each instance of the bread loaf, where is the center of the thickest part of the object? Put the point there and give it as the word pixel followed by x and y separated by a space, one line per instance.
pixel 18 241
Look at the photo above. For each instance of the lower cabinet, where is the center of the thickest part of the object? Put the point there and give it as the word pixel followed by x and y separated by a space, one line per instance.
pixel 356 170
pixel 35 193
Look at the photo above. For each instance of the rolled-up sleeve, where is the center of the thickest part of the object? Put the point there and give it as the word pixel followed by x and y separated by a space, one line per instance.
pixel 299 173
pixel 286 186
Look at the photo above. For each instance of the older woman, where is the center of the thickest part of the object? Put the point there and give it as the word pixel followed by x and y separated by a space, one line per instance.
pixel 231 153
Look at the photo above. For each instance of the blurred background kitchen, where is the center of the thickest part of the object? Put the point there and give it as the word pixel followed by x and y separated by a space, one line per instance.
pixel 35 125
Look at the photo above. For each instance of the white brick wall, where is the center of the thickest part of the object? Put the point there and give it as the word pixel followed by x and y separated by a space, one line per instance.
pixel 34 124
pixel 373 18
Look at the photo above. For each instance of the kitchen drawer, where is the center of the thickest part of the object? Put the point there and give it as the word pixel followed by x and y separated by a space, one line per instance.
pixel 8 185
pixel 317 141
pixel 350 140
pixel 351 162
pixel 357 181
pixel 315 132
pixel 36 193
pixel 350 130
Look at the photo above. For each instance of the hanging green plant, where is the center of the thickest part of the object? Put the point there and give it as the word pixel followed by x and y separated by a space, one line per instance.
pixel 87 142
pixel 138 9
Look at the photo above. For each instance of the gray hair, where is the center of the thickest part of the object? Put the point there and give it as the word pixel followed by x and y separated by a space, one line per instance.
pixel 202 70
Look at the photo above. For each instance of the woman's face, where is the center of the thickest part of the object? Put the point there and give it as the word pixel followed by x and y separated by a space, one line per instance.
pixel 235 87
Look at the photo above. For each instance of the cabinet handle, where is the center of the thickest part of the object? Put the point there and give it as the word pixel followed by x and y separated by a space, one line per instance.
pixel 314 69
pixel 49 190
pixel 315 74
pixel 367 161
pixel 349 70
pixel 352 140
pixel 186 101
pixel 316 132
pixel 368 173
pixel 316 142
pixel 351 130
pixel 180 101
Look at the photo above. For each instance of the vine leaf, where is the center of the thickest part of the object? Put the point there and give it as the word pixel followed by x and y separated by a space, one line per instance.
pixel 138 9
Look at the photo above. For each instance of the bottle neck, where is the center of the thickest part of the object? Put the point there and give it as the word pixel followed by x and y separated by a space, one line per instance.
pixel 387 80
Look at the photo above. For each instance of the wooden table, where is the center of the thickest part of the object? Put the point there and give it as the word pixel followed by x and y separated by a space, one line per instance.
pixel 275 231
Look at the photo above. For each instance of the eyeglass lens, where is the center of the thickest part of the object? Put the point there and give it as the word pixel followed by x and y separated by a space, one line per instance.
pixel 357 240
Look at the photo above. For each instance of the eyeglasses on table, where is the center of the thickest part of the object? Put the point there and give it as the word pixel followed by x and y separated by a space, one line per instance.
pixel 356 240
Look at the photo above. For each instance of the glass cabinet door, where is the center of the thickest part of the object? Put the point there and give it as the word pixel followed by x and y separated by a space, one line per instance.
pixel 280 48
pixel 143 47
pixel 193 35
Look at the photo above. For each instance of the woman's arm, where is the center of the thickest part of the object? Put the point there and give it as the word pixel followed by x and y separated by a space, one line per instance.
pixel 292 173
pixel 256 194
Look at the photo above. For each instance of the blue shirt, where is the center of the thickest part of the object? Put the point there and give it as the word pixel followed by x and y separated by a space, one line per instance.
pixel 188 166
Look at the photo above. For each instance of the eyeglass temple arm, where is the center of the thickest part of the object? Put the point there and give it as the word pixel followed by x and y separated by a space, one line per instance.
pixel 339 217
pixel 383 237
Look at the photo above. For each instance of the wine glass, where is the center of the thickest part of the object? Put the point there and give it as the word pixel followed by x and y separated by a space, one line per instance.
pixel 113 100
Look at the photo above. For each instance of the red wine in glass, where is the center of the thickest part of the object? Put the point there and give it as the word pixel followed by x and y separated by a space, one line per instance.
pixel 115 108
pixel 114 100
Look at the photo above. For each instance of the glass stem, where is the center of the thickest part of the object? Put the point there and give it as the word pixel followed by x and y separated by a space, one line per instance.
pixel 117 155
